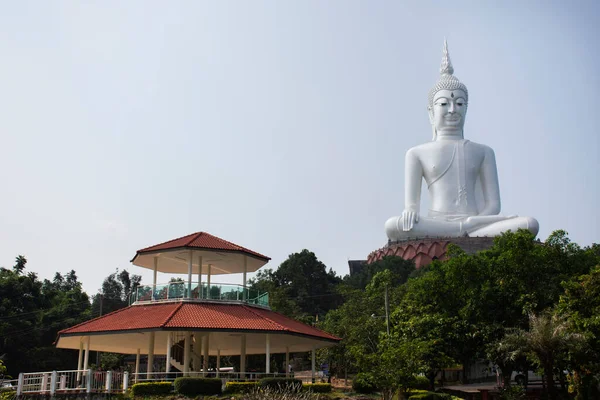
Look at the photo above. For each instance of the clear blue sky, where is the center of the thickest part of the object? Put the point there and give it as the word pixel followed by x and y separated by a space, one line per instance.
pixel 278 125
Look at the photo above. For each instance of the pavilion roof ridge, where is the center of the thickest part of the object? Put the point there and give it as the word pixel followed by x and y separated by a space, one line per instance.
pixel 175 310
pixel 88 321
pixel 253 311
pixel 292 319
pixel 200 240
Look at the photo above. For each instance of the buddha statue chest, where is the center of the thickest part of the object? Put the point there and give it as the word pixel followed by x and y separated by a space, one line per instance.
pixel 450 169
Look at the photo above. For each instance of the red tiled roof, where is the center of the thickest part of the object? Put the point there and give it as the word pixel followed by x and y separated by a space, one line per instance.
pixel 201 240
pixel 196 316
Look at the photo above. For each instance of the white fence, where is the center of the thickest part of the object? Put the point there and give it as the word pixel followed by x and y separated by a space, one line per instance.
pixel 79 381
pixel 90 381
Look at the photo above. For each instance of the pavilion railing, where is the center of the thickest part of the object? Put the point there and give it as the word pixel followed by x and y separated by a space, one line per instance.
pixel 90 381
pixel 216 291
pixel 78 381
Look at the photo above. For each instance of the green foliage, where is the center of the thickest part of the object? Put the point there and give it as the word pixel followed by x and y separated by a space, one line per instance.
pixel 31 314
pixel 8 395
pixel 317 387
pixel 116 290
pixel 281 384
pixel 399 268
pixel 364 382
pixel 276 394
pixel 240 387
pixel 301 287
pixel 197 386
pixel 151 388
pixel 515 392
pixel 420 383
pixel 430 396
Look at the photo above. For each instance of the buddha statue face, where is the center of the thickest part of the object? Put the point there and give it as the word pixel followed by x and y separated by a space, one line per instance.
pixel 448 112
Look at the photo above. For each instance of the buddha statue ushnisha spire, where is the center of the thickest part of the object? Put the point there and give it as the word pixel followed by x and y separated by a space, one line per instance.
pixel 447 79
pixel 446 68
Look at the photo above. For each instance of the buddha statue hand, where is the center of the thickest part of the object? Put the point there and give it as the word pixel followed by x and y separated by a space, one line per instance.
pixel 409 219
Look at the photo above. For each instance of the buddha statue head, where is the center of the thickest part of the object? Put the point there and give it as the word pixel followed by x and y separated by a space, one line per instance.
pixel 448 101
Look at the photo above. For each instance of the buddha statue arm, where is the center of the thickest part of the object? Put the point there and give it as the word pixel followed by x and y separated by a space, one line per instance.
pixel 413 175
pixel 489 184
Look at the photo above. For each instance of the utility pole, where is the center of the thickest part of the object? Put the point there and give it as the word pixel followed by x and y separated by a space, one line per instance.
pixel 387 311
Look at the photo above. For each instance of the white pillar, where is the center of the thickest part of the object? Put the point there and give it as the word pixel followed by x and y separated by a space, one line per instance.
pixel 243 357
pixel 108 381
pixel 287 362
pixel 86 358
pixel 150 356
pixel 44 385
pixel 189 293
pixel 88 385
pixel 80 360
pixel 208 282
pixel 206 355
pixel 244 296
pixel 200 277
pixel 218 362
pixel 186 354
pixel 268 354
pixel 313 364
pixel 53 383
pixel 137 365
pixel 125 381
pixel 20 384
pixel 197 359
pixel 169 345
pixel 154 277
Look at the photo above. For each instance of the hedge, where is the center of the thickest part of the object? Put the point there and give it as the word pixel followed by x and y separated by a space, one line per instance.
pixel 197 386
pixel 240 387
pixel 317 387
pixel 287 384
pixel 151 388
pixel 421 382
pixel 430 396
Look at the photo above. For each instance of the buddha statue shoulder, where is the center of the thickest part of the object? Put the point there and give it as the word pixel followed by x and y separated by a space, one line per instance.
pixel 451 167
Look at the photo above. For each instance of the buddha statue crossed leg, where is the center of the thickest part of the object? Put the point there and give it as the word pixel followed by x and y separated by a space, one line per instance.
pixel 451 166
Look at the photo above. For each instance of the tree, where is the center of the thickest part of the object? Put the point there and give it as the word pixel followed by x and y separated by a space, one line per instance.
pixel 396 364
pixel 301 287
pixel 549 339
pixel 31 314
pixel 509 354
pixel 116 291
pixel 580 304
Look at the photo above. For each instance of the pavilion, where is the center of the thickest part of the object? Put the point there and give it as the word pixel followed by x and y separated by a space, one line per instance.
pixel 189 321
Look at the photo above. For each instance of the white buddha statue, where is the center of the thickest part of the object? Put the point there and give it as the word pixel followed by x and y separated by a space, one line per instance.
pixel 451 166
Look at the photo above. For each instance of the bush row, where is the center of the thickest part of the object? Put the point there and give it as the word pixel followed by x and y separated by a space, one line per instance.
pixel 151 388
pixel 277 384
pixel 192 387
pixel 365 383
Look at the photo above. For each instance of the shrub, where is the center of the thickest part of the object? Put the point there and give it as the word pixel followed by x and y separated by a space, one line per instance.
pixel 151 388
pixel 282 384
pixel 197 386
pixel 240 387
pixel 430 396
pixel 277 394
pixel 512 393
pixel 364 383
pixel 317 387
pixel 421 382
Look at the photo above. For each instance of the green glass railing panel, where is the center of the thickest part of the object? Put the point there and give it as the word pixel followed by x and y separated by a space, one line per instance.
pixel 219 292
